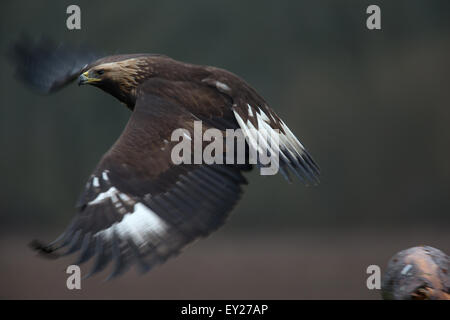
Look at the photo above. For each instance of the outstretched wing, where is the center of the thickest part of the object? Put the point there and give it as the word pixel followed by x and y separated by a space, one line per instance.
pixel 259 124
pixel 225 101
pixel 47 67
pixel 138 206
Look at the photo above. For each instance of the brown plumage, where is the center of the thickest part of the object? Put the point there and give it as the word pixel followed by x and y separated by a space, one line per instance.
pixel 138 205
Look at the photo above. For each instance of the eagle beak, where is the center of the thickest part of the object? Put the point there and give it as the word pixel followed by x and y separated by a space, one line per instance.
pixel 85 79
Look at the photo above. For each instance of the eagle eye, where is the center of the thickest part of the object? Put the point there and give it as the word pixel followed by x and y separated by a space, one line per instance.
pixel 100 71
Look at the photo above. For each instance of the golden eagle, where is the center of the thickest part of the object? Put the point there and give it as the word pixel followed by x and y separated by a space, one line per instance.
pixel 138 206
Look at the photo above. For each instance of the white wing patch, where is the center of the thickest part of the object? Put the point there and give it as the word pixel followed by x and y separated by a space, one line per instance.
pixel 110 194
pixel 140 225
pixel 262 139
pixel 253 143
pixel 263 116
pixel 222 86
pixel 95 182
pixel 105 175
pixel 258 138
pixel 286 145
pixel 250 111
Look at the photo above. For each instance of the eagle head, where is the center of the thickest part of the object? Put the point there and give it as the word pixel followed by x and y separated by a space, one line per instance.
pixel 119 77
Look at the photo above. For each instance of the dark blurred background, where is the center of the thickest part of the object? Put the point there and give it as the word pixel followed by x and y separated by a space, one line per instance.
pixel 371 106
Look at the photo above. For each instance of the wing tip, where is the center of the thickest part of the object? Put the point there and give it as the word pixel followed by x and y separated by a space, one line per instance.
pixel 46 251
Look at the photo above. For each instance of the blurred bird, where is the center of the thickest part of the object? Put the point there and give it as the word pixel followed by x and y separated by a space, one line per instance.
pixel 418 273
pixel 138 206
